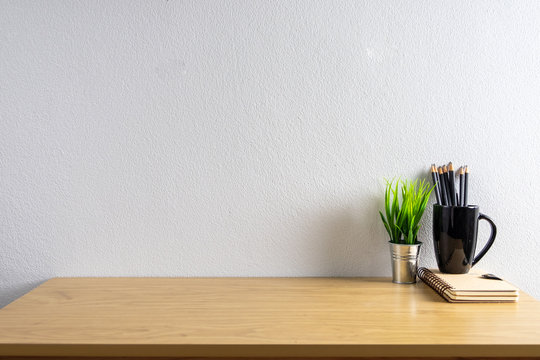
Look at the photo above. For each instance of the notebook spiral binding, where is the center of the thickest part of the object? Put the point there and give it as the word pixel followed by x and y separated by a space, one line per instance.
pixel 436 283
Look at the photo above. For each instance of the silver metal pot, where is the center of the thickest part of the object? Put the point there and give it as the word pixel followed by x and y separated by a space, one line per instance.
pixel 404 262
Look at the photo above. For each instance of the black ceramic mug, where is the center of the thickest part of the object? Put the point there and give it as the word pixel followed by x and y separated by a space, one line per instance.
pixel 455 230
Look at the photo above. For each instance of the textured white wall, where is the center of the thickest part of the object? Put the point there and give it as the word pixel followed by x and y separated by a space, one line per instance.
pixel 251 138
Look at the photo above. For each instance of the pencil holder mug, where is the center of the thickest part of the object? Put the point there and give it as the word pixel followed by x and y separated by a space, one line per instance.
pixel 455 232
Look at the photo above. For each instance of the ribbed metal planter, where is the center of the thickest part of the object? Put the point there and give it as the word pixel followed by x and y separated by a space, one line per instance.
pixel 404 262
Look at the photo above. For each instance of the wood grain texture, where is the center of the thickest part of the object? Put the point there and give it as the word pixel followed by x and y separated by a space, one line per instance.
pixel 280 317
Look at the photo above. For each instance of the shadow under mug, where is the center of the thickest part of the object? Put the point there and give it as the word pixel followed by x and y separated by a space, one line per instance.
pixel 455 231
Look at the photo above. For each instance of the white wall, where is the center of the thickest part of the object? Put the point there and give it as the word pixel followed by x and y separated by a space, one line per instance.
pixel 251 138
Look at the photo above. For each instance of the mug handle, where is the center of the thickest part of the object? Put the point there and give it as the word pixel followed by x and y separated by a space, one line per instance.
pixel 491 238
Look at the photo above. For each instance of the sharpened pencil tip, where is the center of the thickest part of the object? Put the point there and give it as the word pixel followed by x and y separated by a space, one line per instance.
pixel 433 168
pixel 440 170
pixel 466 169
pixel 450 166
pixel 444 168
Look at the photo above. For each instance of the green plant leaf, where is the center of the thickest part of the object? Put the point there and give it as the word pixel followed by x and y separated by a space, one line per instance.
pixel 402 221
pixel 386 225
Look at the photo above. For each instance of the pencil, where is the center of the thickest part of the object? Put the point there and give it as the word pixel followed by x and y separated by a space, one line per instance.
pixel 442 181
pixel 461 187
pixel 452 181
pixel 466 187
pixel 435 176
pixel 449 201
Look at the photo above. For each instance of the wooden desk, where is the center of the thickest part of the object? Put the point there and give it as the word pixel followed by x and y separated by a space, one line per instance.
pixel 252 317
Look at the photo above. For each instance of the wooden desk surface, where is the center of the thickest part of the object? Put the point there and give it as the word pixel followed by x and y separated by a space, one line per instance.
pixel 283 317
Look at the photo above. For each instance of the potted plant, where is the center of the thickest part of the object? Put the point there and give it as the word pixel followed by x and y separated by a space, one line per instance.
pixel 402 222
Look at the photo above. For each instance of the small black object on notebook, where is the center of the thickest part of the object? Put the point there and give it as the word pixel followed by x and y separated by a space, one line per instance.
pixel 491 276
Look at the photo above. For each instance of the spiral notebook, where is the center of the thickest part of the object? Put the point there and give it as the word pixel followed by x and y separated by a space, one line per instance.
pixel 471 287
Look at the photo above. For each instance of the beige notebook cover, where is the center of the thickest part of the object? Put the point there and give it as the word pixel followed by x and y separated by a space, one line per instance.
pixel 474 284
pixel 471 287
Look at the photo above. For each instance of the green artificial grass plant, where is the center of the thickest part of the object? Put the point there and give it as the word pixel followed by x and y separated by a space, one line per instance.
pixel 402 221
